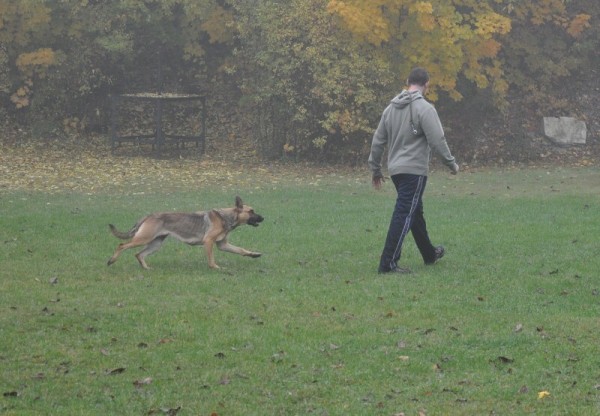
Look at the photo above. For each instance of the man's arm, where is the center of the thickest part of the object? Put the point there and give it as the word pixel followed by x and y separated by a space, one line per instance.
pixel 432 127
pixel 377 150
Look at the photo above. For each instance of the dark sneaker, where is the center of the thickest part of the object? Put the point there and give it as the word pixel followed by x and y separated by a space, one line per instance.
pixel 399 270
pixel 439 253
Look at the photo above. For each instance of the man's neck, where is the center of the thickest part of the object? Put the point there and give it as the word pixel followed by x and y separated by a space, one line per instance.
pixel 415 88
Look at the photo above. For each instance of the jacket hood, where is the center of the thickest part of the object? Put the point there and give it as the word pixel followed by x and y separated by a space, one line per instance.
pixel 405 98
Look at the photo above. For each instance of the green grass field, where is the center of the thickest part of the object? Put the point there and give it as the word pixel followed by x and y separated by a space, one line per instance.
pixel 310 328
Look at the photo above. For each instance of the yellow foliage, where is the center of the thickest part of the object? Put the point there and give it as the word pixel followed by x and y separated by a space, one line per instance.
pixel 492 23
pixel 363 19
pixel 20 19
pixel 448 38
pixel 219 26
pixel 193 50
pixel 538 12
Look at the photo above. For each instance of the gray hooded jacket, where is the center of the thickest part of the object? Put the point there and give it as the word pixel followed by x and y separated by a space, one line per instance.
pixel 409 152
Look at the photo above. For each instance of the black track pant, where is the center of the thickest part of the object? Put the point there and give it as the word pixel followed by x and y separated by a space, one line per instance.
pixel 407 216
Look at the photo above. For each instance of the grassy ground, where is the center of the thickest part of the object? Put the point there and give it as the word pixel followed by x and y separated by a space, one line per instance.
pixel 511 312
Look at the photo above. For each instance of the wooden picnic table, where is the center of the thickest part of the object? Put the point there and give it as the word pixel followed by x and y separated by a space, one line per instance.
pixel 159 137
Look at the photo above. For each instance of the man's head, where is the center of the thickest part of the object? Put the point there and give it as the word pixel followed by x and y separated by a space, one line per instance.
pixel 418 76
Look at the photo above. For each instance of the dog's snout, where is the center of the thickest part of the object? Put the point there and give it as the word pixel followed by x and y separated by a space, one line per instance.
pixel 255 219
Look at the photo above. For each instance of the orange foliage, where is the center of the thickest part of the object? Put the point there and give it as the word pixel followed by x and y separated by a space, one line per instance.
pixel 43 57
pixel 578 25
pixel 30 64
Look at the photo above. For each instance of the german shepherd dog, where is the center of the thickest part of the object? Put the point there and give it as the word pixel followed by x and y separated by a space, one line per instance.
pixel 203 227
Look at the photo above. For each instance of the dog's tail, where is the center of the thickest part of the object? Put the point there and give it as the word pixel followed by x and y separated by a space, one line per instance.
pixel 123 235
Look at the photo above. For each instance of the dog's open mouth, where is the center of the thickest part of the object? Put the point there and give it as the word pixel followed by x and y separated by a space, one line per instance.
pixel 254 221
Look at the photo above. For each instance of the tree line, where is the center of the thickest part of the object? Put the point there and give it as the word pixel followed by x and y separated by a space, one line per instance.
pixel 311 76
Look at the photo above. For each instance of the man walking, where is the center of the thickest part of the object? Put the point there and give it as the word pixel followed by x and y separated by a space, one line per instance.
pixel 411 129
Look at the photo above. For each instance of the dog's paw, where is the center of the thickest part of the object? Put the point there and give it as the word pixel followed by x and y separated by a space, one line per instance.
pixel 255 255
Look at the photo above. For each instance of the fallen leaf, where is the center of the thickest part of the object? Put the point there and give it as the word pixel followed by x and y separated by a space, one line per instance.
pixel 115 371
pixel 519 328
pixel 170 412
pixel 543 394
pixel 143 382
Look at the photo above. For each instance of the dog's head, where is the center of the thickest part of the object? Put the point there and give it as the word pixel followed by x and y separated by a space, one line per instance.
pixel 246 214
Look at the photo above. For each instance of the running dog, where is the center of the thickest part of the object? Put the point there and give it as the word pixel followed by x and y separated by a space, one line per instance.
pixel 204 227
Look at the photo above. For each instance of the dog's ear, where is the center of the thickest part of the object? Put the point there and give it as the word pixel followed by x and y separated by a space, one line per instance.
pixel 238 203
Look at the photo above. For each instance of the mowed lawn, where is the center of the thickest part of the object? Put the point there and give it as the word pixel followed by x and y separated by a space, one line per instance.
pixel 507 323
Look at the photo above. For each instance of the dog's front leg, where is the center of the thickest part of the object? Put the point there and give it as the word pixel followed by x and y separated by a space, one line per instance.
pixel 230 248
pixel 208 247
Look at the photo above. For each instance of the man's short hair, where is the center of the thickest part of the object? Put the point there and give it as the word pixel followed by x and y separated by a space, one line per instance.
pixel 418 76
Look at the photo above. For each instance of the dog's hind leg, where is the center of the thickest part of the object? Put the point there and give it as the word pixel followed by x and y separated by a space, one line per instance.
pixel 118 252
pixel 137 241
pixel 152 247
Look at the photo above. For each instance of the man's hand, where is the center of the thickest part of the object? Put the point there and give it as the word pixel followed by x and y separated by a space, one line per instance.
pixel 377 181
pixel 454 169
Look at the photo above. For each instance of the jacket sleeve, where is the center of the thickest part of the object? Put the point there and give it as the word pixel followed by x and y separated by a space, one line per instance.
pixel 432 127
pixel 378 147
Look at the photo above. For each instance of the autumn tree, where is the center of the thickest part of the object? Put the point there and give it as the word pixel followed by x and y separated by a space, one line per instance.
pixel 451 39
pixel 307 89
pixel 310 76
pixel 551 42
pixel 64 58
pixel 23 26
pixel 493 44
